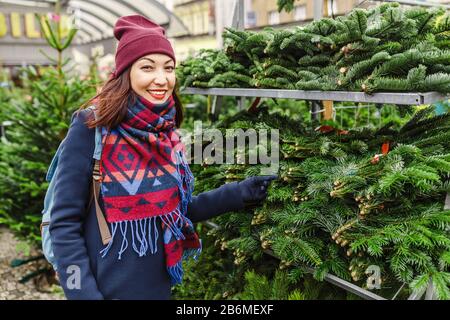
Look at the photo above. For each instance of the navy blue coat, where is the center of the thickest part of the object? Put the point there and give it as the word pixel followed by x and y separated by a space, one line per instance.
pixel 76 238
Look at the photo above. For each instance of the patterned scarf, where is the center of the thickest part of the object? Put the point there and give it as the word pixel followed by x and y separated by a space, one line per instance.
pixel 145 177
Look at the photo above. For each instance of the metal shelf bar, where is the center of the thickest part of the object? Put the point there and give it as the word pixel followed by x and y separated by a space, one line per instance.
pixel 350 287
pixel 432 97
pixel 341 283
pixel 432 4
pixel 400 98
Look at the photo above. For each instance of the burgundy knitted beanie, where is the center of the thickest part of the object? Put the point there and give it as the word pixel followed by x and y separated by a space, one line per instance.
pixel 138 36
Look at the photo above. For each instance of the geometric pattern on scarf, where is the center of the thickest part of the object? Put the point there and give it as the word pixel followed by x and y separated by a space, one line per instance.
pixel 146 180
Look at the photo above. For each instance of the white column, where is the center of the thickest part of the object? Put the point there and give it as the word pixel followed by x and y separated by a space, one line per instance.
pixel 318 9
pixel 224 17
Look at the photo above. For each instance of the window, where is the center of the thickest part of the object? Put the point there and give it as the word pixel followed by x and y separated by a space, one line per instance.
pixel 206 22
pixel 188 21
pixel 300 13
pixel 198 23
pixel 251 19
pixel 274 17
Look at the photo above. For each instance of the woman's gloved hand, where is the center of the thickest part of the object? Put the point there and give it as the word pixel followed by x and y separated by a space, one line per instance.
pixel 254 189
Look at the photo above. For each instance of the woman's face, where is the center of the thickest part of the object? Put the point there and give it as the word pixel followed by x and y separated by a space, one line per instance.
pixel 153 77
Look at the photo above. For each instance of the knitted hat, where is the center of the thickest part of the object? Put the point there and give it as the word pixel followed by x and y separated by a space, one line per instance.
pixel 138 36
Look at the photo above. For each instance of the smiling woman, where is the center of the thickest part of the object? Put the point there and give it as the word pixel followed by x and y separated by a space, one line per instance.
pixel 145 66
pixel 153 77
pixel 143 176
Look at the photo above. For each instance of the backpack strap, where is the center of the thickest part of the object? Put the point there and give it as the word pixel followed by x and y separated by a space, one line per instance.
pixel 96 180
pixel 102 224
pixel 98 138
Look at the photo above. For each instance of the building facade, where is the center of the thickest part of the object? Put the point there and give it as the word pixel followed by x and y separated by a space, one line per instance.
pixel 192 24
pixel 199 18
pixel 262 13
pixel 21 41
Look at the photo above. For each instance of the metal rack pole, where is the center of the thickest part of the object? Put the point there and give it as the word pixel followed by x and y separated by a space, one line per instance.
pixel 238 22
pixel 316 105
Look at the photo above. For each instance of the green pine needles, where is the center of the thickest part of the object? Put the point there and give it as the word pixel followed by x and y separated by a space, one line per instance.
pixel 367 50
pixel 345 201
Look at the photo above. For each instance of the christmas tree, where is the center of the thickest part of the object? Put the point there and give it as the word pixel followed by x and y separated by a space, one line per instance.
pixel 39 114
pixel 346 201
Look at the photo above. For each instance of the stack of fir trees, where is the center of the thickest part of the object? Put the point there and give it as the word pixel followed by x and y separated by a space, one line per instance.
pixel 345 201
pixel 212 68
pixel 387 48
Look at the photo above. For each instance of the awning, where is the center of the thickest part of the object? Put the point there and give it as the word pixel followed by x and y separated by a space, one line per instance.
pixel 95 19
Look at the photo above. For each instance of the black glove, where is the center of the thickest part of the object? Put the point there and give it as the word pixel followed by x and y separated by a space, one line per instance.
pixel 254 189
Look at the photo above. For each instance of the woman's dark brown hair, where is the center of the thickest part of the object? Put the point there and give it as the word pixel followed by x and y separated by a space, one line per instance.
pixel 113 99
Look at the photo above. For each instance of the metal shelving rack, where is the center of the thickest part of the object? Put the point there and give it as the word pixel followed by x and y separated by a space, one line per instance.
pixel 396 98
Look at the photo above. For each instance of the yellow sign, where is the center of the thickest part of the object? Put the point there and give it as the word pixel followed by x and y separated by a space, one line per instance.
pixel 3 29
pixel 31 25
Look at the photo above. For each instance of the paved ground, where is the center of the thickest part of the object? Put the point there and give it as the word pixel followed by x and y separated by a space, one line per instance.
pixel 37 288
